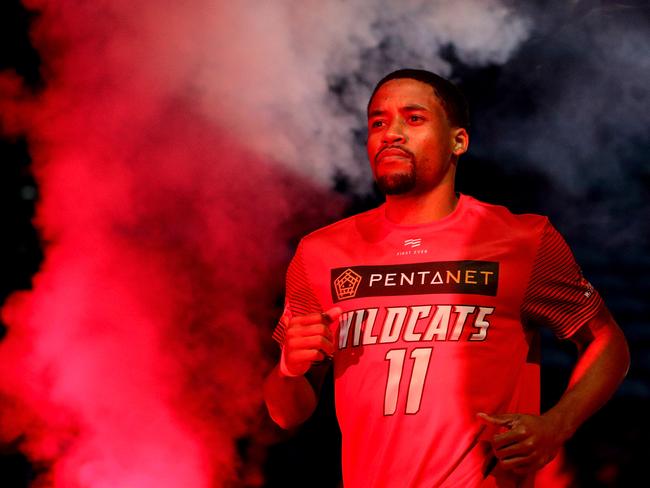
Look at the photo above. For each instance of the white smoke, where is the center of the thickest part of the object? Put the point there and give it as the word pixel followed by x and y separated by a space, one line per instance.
pixel 262 70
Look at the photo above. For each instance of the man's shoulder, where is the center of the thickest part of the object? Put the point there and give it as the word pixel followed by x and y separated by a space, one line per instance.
pixel 344 229
pixel 500 215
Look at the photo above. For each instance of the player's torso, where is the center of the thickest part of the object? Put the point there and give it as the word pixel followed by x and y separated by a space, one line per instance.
pixel 430 332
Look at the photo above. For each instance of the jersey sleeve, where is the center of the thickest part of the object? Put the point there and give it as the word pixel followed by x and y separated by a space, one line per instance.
pixel 300 298
pixel 558 296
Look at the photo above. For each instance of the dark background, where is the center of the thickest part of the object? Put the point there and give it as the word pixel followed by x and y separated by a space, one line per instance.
pixel 605 223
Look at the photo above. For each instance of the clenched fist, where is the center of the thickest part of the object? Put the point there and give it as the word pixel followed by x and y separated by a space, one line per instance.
pixel 308 339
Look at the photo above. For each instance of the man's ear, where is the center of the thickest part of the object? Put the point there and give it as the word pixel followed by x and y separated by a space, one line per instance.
pixel 460 141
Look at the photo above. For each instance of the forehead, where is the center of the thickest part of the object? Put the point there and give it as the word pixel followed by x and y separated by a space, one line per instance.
pixel 402 92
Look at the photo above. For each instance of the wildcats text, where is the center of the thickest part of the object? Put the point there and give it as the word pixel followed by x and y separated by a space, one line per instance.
pixel 415 323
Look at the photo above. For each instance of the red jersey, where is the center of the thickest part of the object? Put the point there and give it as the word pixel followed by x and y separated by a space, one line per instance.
pixel 440 322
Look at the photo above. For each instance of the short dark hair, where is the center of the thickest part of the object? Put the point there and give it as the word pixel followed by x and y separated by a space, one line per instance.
pixel 451 98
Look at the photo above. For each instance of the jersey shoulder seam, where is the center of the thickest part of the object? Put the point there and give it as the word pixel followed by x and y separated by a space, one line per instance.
pixel 315 234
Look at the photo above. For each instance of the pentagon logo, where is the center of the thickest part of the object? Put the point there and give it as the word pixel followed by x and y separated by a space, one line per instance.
pixel 347 284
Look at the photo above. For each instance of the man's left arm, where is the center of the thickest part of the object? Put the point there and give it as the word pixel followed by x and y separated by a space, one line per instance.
pixel 531 441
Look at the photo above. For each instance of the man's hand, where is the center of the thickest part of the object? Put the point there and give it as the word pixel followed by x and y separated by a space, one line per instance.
pixel 529 442
pixel 308 339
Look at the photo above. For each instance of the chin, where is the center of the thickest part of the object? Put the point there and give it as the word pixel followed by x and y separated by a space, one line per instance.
pixel 396 184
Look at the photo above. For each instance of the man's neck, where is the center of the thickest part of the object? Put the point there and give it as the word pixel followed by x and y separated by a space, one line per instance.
pixel 422 208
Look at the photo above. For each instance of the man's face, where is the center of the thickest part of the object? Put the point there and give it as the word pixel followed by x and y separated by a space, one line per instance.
pixel 410 141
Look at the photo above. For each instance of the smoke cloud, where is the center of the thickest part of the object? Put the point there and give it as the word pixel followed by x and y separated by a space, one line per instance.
pixel 581 83
pixel 276 70
pixel 178 146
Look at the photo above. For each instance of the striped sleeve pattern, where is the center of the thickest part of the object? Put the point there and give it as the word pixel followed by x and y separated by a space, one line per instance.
pixel 557 295
pixel 300 298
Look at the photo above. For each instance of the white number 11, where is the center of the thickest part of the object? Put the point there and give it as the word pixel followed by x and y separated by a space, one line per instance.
pixel 395 357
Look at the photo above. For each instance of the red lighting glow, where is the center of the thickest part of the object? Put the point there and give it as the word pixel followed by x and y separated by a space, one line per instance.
pixel 138 357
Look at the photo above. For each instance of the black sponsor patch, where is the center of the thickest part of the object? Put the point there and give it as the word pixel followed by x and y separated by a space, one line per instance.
pixel 466 277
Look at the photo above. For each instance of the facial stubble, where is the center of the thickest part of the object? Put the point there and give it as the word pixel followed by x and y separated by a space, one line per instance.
pixel 397 183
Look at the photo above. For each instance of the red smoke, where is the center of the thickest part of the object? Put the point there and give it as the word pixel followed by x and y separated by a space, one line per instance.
pixel 137 358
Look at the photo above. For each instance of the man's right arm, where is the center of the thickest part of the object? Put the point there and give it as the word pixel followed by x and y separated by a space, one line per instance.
pixel 290 397
pixel 290 401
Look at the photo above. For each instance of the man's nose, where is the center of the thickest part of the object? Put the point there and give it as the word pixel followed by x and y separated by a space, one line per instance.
pixel 395 132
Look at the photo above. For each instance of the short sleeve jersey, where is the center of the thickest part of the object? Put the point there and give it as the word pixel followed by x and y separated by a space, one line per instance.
pixel 440 321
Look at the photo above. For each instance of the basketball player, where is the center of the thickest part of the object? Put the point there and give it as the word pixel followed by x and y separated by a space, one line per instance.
pixel 429 307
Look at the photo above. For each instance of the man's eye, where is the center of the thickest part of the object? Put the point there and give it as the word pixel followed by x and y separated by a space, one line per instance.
pixel 416 118
pixel 376 123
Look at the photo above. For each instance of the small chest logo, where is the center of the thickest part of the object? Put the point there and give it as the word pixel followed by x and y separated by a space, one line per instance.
pixel 347 284
pixel 413 242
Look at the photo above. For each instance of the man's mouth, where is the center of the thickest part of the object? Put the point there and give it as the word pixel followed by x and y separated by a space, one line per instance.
pixel 393 153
